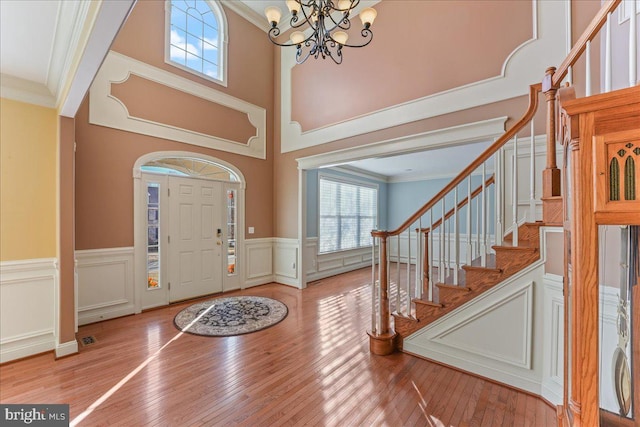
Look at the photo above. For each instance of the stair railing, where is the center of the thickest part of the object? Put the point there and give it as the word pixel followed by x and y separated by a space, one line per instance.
pixel 458 226
pixel 429 248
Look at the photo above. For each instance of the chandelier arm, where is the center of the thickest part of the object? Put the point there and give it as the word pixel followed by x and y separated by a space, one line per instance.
pixel 367 34
pixel 275 32
pixel 343 24
pixel 336 55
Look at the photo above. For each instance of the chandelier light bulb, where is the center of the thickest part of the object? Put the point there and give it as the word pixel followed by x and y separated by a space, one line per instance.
pixel 367 16
pixel 297 37
pixel 340 37
pixel 294 6
pixel 344 5
pixel 273 14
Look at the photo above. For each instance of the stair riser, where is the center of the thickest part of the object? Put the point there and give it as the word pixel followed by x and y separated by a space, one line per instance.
pixel 528 235
pixel 449 296
pixel 478 278
pixel 512 261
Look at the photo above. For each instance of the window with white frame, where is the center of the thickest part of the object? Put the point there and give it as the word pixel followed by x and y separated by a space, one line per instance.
pixel 196 38
pixel 348 211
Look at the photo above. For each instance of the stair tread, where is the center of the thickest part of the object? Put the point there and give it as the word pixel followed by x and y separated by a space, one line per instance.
pixel 481 268
pixel 451 286
pixel 520 247
pixel 429 303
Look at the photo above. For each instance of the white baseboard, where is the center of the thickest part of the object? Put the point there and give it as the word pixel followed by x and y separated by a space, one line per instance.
pixel 66 348
pixel 28 307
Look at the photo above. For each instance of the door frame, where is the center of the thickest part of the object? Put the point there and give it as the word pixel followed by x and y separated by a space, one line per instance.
pixel 140 229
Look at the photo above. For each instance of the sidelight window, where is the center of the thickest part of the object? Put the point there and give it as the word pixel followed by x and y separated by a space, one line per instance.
pixel 153 236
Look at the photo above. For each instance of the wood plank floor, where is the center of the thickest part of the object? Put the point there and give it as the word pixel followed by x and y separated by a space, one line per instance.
pixel 313 368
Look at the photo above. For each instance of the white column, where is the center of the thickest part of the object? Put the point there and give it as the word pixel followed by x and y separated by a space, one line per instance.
pixel 456 238
pixel 587 61
pixel 514 191
pixel 532 177
pixel 633 53
pixel 607 55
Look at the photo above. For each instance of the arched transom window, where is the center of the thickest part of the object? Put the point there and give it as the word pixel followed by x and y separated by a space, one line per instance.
pixel 196 38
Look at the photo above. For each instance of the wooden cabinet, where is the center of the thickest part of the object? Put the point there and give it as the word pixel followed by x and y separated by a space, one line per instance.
pixel 601 135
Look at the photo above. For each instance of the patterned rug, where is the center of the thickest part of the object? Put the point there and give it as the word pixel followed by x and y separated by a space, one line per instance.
pixel 224 317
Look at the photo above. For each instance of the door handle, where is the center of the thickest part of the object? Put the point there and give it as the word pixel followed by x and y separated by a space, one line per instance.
pixel 219 243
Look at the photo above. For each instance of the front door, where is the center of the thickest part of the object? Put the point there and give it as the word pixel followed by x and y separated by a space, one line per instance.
pixel 195 238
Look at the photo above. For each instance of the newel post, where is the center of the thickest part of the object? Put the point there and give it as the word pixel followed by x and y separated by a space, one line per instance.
pixel 381 337
pixel 551 175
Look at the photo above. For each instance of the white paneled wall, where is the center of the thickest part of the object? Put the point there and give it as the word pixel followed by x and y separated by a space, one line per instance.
pixel 318 266
pixel 28 307
pixel 105 284
pixel 258 261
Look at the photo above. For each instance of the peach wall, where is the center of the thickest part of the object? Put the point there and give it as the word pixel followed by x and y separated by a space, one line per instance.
pixel 153 101
pixel 28 135
pixel 66 238
pixel 418 49
pixel 105 157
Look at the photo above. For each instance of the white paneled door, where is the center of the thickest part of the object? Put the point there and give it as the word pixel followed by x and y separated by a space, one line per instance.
pixel 195 238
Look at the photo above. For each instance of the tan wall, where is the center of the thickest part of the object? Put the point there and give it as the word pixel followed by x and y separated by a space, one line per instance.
pixel 66 238
pixel 105 157
pixel 418 49
pixel 28 136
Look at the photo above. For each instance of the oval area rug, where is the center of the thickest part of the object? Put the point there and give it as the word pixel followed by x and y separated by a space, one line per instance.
pixel 229 316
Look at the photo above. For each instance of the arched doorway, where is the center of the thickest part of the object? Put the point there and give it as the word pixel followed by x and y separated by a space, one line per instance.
pixel 188 227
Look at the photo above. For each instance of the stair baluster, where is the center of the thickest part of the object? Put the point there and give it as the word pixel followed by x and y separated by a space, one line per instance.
pixel 514 192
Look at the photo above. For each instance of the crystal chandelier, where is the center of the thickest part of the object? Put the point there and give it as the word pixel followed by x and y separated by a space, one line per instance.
pixel 328 21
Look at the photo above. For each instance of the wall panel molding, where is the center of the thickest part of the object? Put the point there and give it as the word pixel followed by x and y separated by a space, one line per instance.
pixel 105 284
pixel 28 307
pixel 285 266
pixel 514 309
pixel 259 262
pixel 106 110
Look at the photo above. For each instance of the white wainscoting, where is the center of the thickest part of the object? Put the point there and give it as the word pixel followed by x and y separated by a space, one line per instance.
pixel 258 261
pixel 553 358
pixel 318 266
pixel 285 264
pixel 28 307
pixel 105 284
pixel 497 335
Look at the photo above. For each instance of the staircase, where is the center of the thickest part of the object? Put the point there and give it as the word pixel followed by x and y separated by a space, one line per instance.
pixel 474 279
pixel 484 226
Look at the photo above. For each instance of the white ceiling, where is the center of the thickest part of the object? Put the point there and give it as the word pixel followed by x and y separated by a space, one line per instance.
pixel 51 49
pixel 429 164
pixel 27 31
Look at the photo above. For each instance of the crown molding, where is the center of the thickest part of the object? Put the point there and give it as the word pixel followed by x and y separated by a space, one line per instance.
pixel 22 90
pixel 247 13
pixel 352 170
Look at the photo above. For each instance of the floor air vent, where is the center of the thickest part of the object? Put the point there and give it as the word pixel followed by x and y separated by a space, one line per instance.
pixel 88 340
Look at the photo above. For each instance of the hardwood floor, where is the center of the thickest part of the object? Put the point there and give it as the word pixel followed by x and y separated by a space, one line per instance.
pixel 313 368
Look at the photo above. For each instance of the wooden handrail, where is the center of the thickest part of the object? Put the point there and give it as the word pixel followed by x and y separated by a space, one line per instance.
pixel 589 34
pixel 461 204
pixel 534 90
